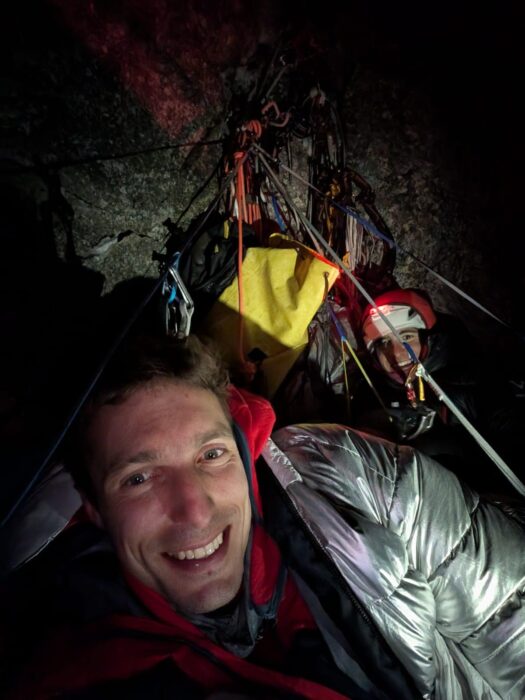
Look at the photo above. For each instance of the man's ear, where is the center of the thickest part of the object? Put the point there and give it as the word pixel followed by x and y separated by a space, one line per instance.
pixel 92 512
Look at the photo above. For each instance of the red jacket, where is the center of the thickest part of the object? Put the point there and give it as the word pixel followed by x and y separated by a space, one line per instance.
pixel 121 646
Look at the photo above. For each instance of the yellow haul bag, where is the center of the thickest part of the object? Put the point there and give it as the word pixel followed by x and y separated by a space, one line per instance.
pixel 283 287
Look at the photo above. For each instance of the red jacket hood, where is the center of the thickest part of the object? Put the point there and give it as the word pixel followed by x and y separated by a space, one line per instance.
pixel 256 418
pixel 109 649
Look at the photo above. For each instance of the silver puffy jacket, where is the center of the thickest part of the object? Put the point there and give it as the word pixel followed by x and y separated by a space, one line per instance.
pixel 441 572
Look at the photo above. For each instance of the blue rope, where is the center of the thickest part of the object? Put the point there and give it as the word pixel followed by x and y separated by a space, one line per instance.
pixel 278 216
pixel 411 353
pixel 368 225
pixel 174 289
pixel 371 228
pixel 337 323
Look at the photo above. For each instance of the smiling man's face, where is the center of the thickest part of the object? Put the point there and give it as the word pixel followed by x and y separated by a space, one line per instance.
pixel 172 493
pixel 392 355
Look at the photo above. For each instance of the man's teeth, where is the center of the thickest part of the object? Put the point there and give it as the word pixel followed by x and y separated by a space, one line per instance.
pixel 200 552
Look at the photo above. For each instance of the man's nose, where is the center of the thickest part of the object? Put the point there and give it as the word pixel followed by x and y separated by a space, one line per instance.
pixel 186 500
pixel 399 352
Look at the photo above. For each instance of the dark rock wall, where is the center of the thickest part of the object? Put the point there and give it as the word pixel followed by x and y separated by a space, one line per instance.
pixel 433 120
pixel 102 96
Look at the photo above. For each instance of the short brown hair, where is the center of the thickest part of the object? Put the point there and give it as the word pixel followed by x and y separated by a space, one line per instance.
pixel 140 361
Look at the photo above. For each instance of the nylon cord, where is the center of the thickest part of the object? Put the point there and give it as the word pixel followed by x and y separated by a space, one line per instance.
pixel 371 228
pixel 441 395
pixel 125 330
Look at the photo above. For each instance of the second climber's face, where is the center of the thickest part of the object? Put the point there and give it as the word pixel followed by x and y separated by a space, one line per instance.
pixel 392 355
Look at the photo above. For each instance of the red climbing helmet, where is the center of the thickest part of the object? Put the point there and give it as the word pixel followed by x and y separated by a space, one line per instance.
pixel 404 308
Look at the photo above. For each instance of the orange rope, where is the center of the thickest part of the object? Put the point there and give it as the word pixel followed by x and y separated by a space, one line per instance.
pixel 240 196
pixel 246 211
pixel 249 131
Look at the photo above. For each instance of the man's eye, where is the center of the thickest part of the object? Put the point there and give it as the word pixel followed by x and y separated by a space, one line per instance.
pixel 135 480
pixel 214 453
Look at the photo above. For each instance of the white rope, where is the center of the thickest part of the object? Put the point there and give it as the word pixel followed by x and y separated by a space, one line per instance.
pixel 318 240
pixel 374 231
pixel 485 446
pixel 288 199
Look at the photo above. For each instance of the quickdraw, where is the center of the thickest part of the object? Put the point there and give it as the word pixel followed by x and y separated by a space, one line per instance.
pixel 179 305
pixel 245 200
pixel 320 242
pixel 413 377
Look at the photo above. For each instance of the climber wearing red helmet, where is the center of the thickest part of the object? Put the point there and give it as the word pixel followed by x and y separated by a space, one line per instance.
pixel 409 313
pixel 214 560
pixel 413 412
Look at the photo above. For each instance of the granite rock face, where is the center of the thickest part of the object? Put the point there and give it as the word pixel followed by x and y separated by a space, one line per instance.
pixel 435 212
pixel 104 98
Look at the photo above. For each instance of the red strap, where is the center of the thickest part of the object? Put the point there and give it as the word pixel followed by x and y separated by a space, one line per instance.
pixel 122 646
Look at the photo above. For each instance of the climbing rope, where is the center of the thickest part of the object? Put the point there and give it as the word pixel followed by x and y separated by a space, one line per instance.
pixel 346 343
pixel 441 395
pixel 109 354
pixel 371 228
pixel 60 164
pixel 241 213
